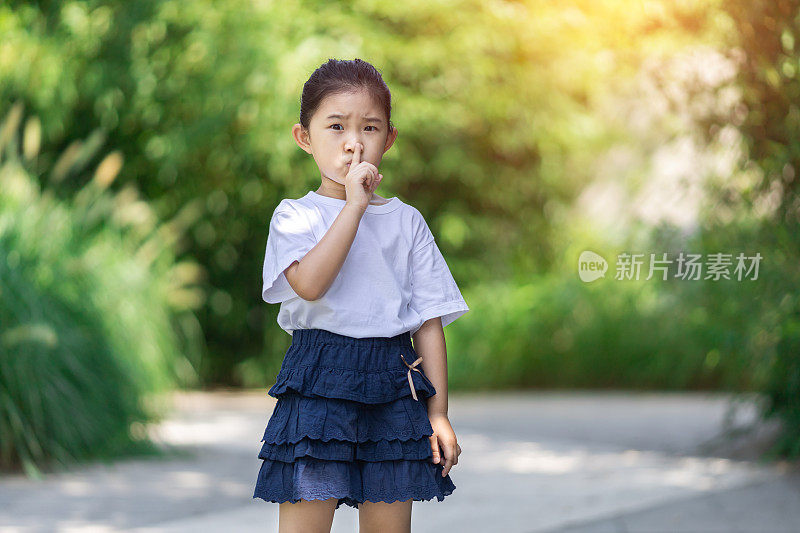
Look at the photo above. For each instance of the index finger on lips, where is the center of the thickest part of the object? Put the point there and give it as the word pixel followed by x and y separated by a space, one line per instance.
pixel 356 156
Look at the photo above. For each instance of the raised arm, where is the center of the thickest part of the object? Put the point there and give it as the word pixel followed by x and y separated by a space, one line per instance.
pixel 312 276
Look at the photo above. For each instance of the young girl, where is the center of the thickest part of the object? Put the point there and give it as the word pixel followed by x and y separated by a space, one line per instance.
pixel 361 413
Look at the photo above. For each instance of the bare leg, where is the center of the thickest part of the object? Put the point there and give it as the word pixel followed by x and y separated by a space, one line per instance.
pixel 382 517
pixel 306 516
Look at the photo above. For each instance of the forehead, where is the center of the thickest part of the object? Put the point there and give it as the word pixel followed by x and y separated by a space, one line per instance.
pixel 356 104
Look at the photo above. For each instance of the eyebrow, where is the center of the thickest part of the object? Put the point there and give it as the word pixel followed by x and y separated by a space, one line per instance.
pixel 366 119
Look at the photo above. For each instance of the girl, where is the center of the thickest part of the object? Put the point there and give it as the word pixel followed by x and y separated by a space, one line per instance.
pixel 360 419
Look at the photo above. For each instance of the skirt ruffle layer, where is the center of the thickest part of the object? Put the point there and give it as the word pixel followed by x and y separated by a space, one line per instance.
pixel 328 371
pixel 295 417
pixel 342 450
pixel 352 483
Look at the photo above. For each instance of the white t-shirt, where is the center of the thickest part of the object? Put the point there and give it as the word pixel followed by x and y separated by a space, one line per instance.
pixel 393 279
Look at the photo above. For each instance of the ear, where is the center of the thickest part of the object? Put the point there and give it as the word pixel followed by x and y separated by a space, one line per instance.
pixel 390 140
pixel 301 137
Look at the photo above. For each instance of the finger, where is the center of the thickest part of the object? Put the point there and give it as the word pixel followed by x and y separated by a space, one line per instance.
pixel 451 454
pixel 444 460
pixel 356 156
pixel 448 460
pixel 368 179
pixel 435 449
pixel 378 181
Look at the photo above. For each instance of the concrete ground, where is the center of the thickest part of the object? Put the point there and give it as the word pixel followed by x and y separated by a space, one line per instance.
pixel 574 462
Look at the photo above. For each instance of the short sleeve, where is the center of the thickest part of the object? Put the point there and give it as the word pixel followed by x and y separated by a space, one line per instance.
pixel 290 239
pixel 433 290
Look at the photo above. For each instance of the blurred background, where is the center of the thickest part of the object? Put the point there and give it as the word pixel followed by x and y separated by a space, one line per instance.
pixel 144 146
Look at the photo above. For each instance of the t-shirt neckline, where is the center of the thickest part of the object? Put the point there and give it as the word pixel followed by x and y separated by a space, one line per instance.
pixel 391 205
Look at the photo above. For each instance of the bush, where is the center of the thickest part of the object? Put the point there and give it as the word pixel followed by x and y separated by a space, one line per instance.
pixel 560 332
pixel 90 297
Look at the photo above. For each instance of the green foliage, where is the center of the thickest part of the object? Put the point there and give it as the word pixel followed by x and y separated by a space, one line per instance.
pixel 558 331
pixel 763 36
pixel 91 299
pixel 494 101
pixel 758 322
pixel 174 86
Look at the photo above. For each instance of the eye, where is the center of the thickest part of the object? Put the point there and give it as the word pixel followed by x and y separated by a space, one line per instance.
pixel 332 125
pixel 376 129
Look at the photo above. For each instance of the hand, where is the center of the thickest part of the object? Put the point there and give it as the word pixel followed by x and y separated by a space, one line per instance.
pixel 361 181
pixel 444 439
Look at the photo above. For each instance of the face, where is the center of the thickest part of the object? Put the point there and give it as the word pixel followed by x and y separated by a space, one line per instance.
pixel 341 121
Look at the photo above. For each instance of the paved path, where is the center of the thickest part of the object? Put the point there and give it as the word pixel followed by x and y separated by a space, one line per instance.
pixel 531 462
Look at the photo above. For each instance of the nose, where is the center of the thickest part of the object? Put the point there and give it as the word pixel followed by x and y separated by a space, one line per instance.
pixel 351 145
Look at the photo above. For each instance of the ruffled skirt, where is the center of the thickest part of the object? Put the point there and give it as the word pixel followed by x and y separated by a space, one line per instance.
pixel 347 425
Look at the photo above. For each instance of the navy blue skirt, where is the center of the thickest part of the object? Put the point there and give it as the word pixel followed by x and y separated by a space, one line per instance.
pixel 347 425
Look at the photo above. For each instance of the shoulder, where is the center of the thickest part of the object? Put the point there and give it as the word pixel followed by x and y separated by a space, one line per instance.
pixel 292 216
pixel 294 204
pixel 293 207
pixel 420 231
pixel 410 212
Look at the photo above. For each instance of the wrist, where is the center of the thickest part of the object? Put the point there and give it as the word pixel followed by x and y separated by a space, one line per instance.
pixel 354 208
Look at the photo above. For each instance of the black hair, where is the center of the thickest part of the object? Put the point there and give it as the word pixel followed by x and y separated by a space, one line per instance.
pixel 340 76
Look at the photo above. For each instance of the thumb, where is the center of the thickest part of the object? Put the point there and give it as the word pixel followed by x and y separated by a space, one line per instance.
pixel 435 449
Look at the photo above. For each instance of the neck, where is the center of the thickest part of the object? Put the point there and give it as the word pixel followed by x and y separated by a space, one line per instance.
pixel 328 187
pixel 333 189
